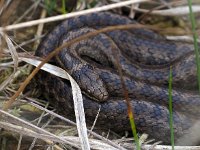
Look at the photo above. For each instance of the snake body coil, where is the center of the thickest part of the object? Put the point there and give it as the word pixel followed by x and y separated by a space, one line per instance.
pixel 145 58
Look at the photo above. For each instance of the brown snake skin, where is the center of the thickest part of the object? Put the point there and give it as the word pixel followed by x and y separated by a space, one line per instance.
pixel 145 58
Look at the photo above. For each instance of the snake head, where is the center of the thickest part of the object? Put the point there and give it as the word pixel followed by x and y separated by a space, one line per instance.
pixel 90 82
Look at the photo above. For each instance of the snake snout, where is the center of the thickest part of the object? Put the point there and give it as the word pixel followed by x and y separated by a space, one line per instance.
pixel 90 82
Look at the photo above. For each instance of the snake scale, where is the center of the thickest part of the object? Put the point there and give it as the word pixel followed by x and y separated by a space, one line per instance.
pixel 145 58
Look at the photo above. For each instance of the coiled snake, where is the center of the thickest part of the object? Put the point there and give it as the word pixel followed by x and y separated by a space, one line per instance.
pixel 145 58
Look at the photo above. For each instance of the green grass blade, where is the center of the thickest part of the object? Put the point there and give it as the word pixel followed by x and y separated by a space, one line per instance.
pixel 133 127
pixel 170 109
pixel 63 9
pixel 195 37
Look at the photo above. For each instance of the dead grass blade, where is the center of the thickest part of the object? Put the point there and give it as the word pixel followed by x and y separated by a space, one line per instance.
pixel 14 55
pixel 166 147
pixel 77 98
pixel 8 12
pixel 178 11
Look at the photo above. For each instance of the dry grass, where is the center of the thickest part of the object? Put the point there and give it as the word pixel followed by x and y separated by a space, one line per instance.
pixel 28 124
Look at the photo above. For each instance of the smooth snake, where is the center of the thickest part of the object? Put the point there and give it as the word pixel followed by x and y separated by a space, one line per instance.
pixel 145 58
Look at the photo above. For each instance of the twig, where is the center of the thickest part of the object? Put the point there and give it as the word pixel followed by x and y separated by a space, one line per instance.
pixel 57 50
